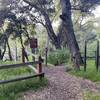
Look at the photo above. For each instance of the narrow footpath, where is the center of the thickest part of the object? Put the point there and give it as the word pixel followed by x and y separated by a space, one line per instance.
pixel 62 86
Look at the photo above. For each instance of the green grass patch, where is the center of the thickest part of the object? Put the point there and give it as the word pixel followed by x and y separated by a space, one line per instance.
pixel 12 91
pixel 91 96
pixel 90 74
pixel 13 72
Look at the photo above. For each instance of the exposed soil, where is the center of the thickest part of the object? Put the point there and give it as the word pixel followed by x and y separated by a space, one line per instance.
pixel 62 86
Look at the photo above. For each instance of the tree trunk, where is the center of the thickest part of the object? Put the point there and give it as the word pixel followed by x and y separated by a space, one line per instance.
pixel 54 39
pixel 69 32
pixel 3 53
pixel 16 51
pixel 0 54
pixel 9 51
pixel 21 41
pixel 62 35
pixel 24 54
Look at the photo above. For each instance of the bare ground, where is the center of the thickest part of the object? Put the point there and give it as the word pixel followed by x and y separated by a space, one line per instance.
pixel 62 86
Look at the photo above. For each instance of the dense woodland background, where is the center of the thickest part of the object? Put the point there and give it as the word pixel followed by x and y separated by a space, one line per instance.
pixel 57 24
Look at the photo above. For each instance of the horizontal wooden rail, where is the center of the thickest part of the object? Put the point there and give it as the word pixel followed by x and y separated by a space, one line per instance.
pixel 18 65
pixel 87 51
pixel 21 78
pixel 90 57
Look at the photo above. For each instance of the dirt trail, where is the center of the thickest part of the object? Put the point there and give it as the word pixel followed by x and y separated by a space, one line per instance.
pixel 62 86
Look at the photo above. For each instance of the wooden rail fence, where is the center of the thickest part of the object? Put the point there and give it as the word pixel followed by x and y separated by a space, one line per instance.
pixel 37 70
pixel 96 57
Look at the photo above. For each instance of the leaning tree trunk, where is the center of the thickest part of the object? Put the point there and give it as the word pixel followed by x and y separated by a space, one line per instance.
pixel 70 36
pixel 3 53
pixel 54 39
pixel 48 25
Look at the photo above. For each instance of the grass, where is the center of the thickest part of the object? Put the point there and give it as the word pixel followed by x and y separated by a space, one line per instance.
pixel 13 90
pixel 87 95
pixel 90 74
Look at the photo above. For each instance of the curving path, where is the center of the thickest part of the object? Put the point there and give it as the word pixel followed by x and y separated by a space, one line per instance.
pixel 62 86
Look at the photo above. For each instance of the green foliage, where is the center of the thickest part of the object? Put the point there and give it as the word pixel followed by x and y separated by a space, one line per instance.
pixel 90 74
pixel 58 57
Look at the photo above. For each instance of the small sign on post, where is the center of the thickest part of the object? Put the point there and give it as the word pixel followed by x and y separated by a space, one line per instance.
pixel 33 43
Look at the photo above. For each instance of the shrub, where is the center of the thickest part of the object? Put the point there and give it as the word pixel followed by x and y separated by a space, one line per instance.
pixel 58 57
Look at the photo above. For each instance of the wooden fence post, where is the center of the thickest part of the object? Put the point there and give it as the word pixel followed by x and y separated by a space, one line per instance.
pixel 39 67
pixel 85 56
pixel 97 56
pixel 46 54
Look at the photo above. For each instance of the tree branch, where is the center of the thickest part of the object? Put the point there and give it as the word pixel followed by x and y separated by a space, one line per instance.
pixel 35 6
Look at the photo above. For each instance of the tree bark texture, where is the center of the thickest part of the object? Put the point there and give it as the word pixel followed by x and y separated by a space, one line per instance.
pixel 3 53
pixel 69 33
pixel 9 51
pixel 53 37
